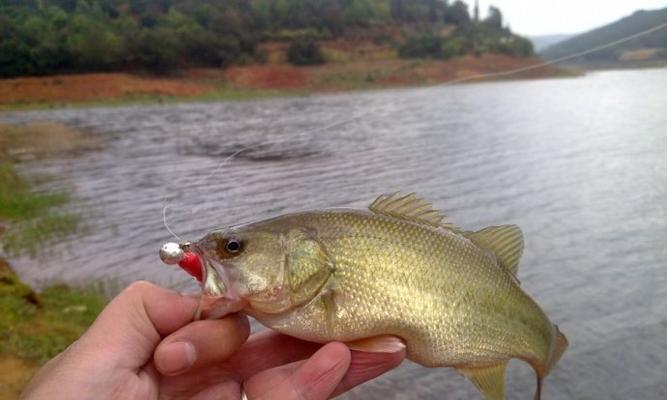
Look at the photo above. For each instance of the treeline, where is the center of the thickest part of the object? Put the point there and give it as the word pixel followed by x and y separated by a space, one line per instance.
pixel 55 36
pixel 471 36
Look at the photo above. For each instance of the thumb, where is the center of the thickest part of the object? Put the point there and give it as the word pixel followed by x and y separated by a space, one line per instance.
pixel 131 326
pixel 122 338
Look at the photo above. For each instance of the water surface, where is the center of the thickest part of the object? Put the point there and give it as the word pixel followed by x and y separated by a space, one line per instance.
pixel 580 164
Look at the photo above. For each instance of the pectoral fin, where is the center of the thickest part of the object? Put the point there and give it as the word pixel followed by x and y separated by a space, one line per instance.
pixel 378 344
pixel 489 380
pixel 308 266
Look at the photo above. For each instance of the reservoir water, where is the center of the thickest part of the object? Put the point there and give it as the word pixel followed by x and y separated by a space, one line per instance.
pixel 579 164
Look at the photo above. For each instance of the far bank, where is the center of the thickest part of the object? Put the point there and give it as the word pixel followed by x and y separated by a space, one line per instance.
pixel 260 81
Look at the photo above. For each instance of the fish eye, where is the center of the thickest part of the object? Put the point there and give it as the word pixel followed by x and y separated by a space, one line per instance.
pixel 233 246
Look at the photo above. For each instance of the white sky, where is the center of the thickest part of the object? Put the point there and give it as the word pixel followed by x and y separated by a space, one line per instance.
pixel 540 17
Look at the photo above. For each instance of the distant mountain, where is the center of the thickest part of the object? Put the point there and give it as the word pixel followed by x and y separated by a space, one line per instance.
pixel 649 49
pixel 541 42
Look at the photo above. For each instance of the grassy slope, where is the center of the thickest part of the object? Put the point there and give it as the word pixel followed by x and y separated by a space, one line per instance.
pixel 627 26
pixel 31 223
pixel 35 327
pixel 31 220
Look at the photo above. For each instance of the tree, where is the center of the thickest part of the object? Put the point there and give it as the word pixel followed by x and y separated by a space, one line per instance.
pixel 92 44
pixel 67 5
pixel 137 6
pixel 457 14
pixel 433 11
pixel 495 19
pixel 55 36
pixel 360 13
pixel 397 8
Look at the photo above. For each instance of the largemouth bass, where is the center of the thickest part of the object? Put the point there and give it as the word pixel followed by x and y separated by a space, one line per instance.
pixel 393 271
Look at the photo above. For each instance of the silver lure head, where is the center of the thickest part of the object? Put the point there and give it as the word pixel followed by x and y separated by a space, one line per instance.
pixel 171 253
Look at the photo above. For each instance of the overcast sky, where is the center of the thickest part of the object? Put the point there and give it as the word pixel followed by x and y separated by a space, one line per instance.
pixel 540 17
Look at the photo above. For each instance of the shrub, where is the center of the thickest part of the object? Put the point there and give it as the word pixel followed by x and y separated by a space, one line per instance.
pixel 456 46
pixel 304 52
pixel 426 46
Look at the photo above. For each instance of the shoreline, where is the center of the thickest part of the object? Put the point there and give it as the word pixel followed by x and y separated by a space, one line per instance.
pixel 38 325
pixel 255 82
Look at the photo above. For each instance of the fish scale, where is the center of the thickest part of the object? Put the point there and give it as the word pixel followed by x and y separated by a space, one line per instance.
pixel 398 270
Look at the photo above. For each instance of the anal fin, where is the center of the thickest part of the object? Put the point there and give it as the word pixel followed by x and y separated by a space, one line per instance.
pixel 489 380
pixel 378 344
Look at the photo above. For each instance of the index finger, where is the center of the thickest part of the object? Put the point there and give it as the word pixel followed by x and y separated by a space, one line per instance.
pixel 271 349
pixel 366 366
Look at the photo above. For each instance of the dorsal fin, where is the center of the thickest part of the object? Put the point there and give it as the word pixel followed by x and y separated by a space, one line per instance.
pixel 412 208
pixel 505 242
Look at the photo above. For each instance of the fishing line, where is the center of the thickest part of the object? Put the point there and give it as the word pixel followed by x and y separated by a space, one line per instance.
pixel 196 185
pixel 417 93
pixel 166 225
pixel 422 91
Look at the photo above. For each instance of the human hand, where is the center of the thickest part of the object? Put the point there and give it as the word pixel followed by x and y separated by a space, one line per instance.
pixel 144 345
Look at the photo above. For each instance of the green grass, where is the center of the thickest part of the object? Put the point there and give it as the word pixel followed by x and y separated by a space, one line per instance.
pixel 33 237
pixel 32 220
pixel 40 331
pixel 35 327
pixel 28 205
pixel 223 94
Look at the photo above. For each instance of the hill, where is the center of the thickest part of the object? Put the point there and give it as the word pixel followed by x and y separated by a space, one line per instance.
pixel 44 37
pixel 645 50
pixel 541 42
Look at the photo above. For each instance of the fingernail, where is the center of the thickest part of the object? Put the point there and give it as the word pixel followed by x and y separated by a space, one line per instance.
pixel 191 293
pixel 174 358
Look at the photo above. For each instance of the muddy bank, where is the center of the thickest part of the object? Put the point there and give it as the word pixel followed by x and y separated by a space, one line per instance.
pixel 256 81
pixel 36 326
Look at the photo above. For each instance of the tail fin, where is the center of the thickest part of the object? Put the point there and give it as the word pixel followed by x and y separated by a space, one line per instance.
pixel 559 347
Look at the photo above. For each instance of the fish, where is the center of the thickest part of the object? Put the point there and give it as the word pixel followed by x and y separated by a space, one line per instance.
pixel 398 273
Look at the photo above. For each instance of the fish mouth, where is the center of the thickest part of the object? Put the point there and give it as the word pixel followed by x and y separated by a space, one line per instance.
pixel 215 281
pixel 219 294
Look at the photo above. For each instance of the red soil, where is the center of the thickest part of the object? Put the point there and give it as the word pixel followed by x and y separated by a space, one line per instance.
pixel 268 77
pixel 92 87
pixel 334 76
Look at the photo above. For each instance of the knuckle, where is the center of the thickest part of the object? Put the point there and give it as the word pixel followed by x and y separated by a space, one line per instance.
pixel 139 287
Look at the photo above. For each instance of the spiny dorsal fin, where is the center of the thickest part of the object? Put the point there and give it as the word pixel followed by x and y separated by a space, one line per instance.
pixel 489 380
pixel 412 208
pixel 505 242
